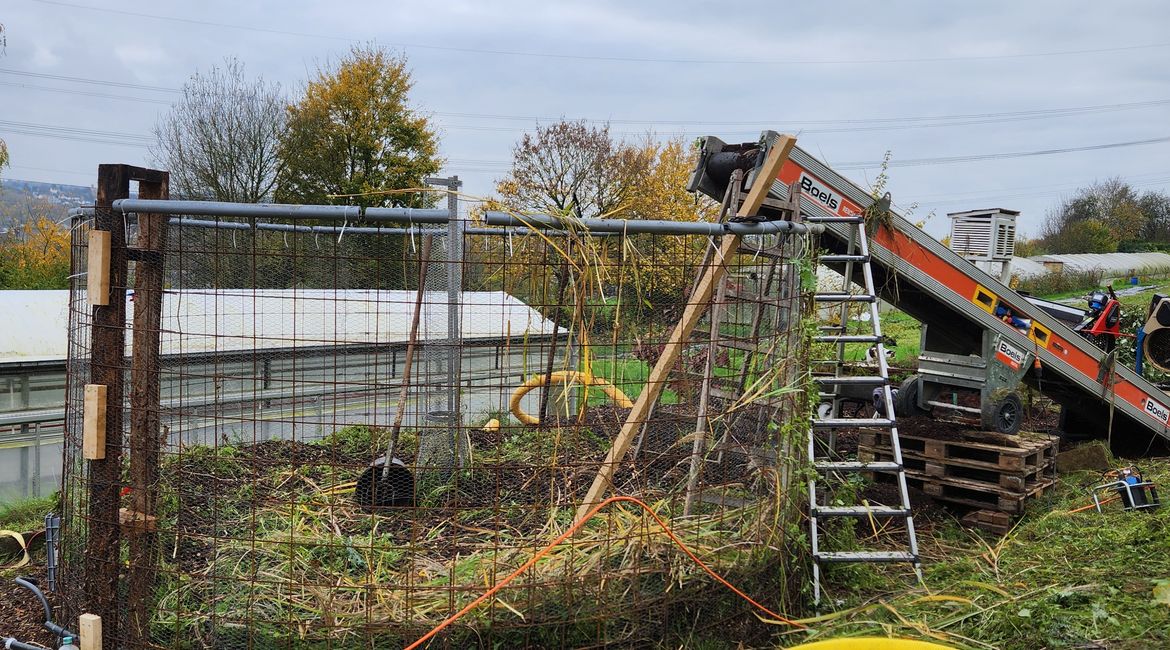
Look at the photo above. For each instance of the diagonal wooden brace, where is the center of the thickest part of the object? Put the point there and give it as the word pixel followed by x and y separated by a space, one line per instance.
pixel 696 307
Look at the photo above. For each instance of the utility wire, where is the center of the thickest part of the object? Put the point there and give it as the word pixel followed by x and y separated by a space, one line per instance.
pixel 862 123
pixel 86 93
pixel 81 80
pixel 620 59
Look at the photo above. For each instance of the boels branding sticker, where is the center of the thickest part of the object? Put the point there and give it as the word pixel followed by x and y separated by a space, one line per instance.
pixel 1158 411
pixel 816 189
pixel 1010 355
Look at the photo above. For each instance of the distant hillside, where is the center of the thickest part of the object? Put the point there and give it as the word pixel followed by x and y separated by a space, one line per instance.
pixel 20 200
pixel 70 196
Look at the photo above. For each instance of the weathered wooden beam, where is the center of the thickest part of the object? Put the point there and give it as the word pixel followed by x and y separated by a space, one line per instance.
pixel 107 367
pixel 696 307
pixel 139 521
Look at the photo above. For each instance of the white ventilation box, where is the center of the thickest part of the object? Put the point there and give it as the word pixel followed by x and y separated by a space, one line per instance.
pixel 984 235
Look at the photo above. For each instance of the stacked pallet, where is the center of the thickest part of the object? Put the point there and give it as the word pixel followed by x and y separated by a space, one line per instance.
pixel 992 473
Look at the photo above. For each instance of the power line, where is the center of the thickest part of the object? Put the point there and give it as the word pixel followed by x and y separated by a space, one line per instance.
pixel 619 59
pixel 95 82
pixel 86 93
pixel 856 120
pixel 848 124
pixel 947 160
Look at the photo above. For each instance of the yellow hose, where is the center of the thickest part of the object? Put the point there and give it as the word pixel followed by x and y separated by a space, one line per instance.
pixel 564 377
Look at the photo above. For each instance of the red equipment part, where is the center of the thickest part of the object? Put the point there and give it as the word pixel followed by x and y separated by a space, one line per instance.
pixel 1102 324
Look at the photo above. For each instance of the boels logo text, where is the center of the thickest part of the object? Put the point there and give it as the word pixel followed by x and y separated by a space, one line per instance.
pixel 1157 410
pixel 822 193
pixel 818 190
pixel 1009 355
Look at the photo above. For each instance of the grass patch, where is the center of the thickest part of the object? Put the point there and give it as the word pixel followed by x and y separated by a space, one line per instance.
pixel 629 375
pixel 27 515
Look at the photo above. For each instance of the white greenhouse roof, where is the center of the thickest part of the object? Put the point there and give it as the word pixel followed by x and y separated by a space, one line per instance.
pixel 1027 268
pixel 1110 264
pixel 235 320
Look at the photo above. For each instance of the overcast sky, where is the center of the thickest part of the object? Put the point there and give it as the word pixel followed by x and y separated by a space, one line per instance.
pixel 979 78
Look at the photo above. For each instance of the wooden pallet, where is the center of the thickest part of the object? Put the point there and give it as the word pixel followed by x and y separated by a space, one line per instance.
pixel 976 495
pixel 989 520
pixel 978 472
pixel 1015 453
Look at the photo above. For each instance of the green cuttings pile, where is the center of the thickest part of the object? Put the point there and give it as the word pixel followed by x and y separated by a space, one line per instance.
pixel 263 543
pixel 1058 580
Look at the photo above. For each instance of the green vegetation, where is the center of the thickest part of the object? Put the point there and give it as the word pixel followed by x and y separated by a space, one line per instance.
pixel 285 510
pixel 1058 580
pixel 27 515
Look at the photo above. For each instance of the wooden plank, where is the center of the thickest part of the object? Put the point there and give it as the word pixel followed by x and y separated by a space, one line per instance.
pixel 139 522
pixel 89 627
pixel 97 272
pixel 93 437
pixel 696 307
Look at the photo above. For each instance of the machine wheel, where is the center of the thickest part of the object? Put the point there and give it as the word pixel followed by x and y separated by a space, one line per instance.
pixel 907 403
pixel 1009 414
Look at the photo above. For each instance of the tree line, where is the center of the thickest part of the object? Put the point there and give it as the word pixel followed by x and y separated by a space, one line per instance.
pixel 352 137
pixel 1104 217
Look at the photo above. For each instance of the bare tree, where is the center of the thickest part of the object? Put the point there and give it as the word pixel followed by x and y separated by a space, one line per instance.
pixel 572 164
pixel 220 140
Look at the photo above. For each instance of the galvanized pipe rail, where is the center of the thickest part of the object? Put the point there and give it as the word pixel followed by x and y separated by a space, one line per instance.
pixel 656 226
pixel 437 216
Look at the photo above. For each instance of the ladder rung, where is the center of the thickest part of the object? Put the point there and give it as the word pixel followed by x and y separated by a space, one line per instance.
pixel 834 219
pixel 840 423
pixel 866 556
pixel 843 297
pixel 858 511
pixel 856 466
pixel 829 259
pixel 848 338
pixel 831 328
pixel 852 381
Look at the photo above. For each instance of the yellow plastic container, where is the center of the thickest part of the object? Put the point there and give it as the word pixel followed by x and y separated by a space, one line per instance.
pixel 872 643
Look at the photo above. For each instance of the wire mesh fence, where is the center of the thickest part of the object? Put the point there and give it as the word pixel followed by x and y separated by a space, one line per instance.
pixel 358 429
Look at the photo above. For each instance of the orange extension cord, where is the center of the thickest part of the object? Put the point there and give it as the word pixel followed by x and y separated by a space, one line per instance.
pixel 569 533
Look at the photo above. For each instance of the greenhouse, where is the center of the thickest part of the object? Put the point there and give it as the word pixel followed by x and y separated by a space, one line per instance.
pixel 227 352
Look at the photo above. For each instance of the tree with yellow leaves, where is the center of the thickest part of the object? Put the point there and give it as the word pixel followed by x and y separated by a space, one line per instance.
pixel 354 140
pixel 354 133
pixel 35 254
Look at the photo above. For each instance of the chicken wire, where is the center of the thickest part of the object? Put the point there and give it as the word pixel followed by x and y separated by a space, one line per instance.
pixel 279 369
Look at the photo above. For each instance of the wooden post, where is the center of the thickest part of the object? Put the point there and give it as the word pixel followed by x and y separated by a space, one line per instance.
pixel 695 309
pixel 145 424
pixel 89 627
pixel 107 366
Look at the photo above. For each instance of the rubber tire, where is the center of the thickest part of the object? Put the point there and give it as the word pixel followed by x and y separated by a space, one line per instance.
pixel 1008 414
pixel 907 403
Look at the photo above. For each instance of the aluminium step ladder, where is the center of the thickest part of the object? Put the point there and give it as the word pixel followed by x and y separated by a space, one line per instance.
pixel 829 468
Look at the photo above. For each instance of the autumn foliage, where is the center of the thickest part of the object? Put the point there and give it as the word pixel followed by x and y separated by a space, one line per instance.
pixel 575 169
pixel 35 255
